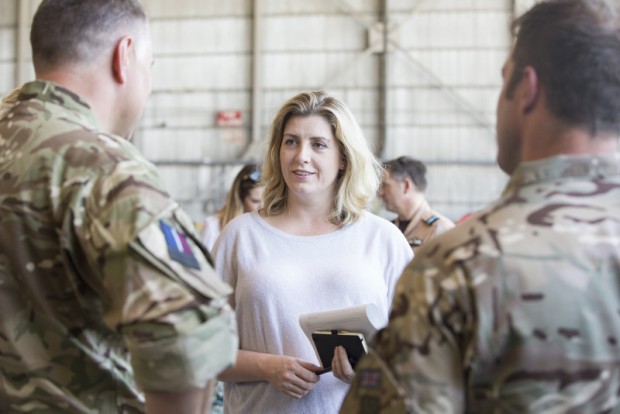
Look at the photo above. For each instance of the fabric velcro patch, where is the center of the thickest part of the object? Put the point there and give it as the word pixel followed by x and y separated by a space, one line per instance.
pixel 370 405
pixel 178 247
pixel 370 378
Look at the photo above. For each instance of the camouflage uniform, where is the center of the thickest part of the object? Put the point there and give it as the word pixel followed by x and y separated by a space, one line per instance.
pixel 514 311
pixel 424 225
pixel 97 264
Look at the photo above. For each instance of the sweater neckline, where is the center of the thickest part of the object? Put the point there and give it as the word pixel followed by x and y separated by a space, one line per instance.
pixel 265 224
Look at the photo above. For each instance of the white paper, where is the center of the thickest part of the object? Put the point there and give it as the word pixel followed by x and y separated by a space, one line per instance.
pixel 365 319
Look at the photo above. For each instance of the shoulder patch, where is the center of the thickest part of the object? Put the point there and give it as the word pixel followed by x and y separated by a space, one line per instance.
pixel 374 389
pixel 178 247
pixel 432 219
pixel 370 378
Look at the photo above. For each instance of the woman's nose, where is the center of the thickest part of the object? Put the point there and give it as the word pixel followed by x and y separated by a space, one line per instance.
pixel 303 153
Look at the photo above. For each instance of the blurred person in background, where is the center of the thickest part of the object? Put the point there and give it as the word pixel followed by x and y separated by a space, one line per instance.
pixel 402 191
pixel 244 196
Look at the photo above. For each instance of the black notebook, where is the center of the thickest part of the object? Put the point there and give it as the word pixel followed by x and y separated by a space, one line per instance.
pixel 326 341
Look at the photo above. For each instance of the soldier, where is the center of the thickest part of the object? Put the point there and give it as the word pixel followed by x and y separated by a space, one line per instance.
pixel 108 301
pixel 402 191
pixel 516 310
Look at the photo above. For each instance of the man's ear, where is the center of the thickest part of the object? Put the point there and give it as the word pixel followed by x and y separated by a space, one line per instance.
pixel 121 59
pixel 530 92
pixel 407 185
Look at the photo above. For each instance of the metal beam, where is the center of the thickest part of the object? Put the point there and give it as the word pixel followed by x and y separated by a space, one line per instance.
pixel 339 73
pixel 344 6
pixel 200 163
pixel 434 79
pixel 389 43
pixel 384 15
pixel 23 42
pixel 378 46
pixel 257 71
pixel 412 13
pixel 450 92
pixel 249 151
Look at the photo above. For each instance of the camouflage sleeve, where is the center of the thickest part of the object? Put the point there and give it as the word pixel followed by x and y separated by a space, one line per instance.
pixel 416 363
pixel 187 333
pixel 155 279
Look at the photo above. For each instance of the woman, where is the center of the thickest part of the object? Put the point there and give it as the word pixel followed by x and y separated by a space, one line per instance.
pixel 313 247
pixel 244 196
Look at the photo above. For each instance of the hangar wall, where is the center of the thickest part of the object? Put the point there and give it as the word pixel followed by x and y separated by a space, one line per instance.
pixel 422 78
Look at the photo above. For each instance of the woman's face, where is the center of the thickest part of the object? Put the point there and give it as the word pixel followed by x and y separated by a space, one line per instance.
pixel 253 201
pixel 310 158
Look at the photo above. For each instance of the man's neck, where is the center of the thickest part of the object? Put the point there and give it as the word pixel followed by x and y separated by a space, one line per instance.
pixel 87 84
pixel 411 207
pixel 568 141
pixel 544 136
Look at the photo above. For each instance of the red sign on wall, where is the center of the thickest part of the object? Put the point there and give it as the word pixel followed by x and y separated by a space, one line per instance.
pixel 229 118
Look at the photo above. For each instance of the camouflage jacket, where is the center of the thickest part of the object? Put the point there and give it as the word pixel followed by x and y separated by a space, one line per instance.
pixel 105 290
pixel 516 310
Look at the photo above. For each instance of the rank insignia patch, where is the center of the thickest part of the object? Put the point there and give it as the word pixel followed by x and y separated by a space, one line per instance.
pixel 178 247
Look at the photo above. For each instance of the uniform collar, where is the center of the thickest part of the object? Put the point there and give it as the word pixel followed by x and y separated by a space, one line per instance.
pixel 421 213
pixel 52 93
pixel 564 166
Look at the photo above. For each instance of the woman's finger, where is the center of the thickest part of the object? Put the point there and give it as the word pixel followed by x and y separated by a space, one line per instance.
pixel 344 369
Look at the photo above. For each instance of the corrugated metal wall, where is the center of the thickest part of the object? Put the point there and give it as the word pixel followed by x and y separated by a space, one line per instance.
pixel 443 83
pixel 427 90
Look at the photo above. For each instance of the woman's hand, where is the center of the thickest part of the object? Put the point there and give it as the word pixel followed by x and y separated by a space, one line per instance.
pixel 341 367
pixel 291 376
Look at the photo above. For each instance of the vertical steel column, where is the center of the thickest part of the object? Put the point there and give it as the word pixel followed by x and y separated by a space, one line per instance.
pixel 23 25
pixel 257 71
pixel 383 78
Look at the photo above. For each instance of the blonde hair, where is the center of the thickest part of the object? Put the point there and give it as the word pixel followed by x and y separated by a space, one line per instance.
pixel 246 179
pixel 9 101
pixel 356 185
